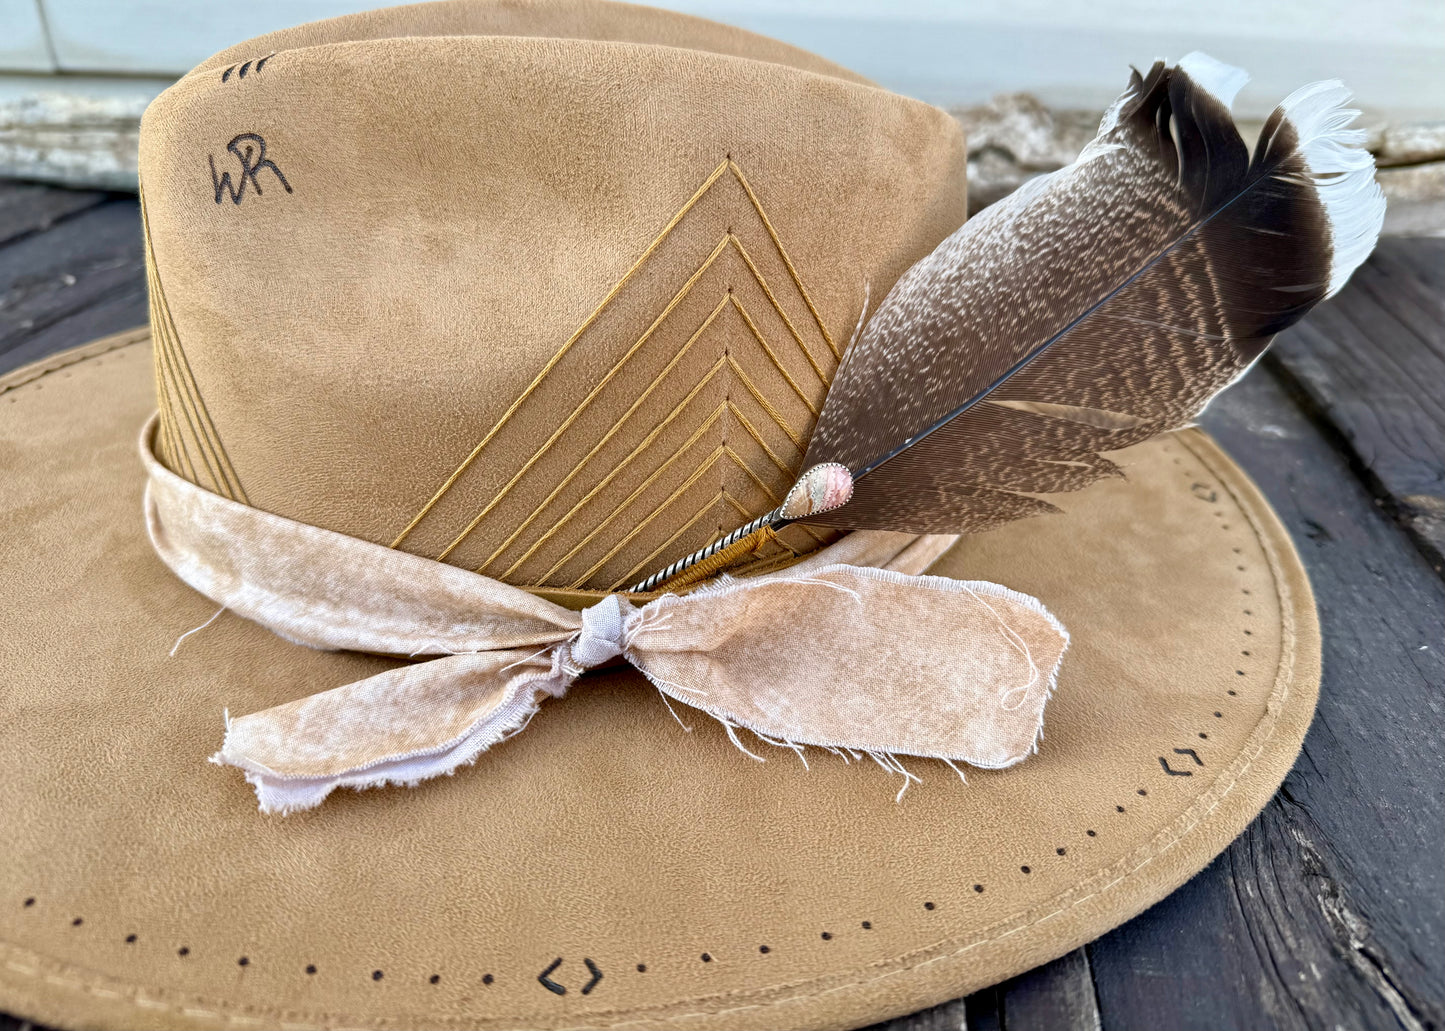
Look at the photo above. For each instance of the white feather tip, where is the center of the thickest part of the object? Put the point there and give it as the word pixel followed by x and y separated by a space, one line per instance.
pixel 1222 80
pixel 1342 170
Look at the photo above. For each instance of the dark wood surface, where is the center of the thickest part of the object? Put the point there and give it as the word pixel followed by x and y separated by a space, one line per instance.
pixel 1329 911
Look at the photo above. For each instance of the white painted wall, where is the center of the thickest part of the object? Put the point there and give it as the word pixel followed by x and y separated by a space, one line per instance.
pixel 22 38
pixel 1391 52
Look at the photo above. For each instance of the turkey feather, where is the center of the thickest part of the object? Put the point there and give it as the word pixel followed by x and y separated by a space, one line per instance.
pixel 1097 306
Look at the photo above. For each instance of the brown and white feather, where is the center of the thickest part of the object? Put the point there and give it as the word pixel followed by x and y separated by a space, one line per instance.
pixel 1097 306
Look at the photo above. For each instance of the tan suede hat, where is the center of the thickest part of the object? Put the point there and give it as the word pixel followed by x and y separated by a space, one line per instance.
pixel 554 290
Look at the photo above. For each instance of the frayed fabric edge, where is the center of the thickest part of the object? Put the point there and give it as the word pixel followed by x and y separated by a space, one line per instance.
pixel 280 794
pixel 888 760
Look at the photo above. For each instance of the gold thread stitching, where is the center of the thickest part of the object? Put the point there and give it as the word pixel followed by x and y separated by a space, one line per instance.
pixel 737 414
pixel 561 353
pixel 767 405
pixel 687 484
pixel 620 466
pixel 164 354
pixel 186 377
pixel 729 238
pixel 629 576
pixel 777 362
pixel 208 439
pixel 778 243
pixel 616 426
pixel 768 291
pixel 677 299
pixel 652 478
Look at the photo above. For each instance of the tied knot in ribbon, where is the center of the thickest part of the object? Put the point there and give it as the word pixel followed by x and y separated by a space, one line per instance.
pixel 851 658
pixel 603 636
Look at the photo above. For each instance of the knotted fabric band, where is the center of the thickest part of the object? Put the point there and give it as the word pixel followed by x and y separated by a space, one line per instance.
pixel 846 657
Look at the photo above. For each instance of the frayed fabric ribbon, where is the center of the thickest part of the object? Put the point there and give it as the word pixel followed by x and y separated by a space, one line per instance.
pixel 853 659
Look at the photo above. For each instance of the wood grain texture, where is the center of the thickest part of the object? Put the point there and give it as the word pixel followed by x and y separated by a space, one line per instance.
pixel 1057 996
pixel 82 278
pixel 1370 364
pixel 28 207
pixel 948 1016
pixel 1329 912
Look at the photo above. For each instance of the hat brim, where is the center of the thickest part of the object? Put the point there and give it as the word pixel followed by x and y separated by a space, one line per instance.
pixel 605 868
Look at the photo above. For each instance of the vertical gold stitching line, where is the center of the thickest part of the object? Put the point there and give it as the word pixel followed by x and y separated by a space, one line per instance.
pixel 767 406
pixel 209 436
pixel 616 426
pixel 163 447
pixel 628 576
pixel 173 451
pixel 208 425
pixel 190 422
pixel 637 492
pixel 168 426
pixel 552 363
pixel 170 433
pixel 223 460
pixel 687 484
pixel 160 358
pixel 601 385
pixel 167 454
pixel 180 458
pixel 178 442
pixel 155 373
pixel 186 415
pixel 758 336
pixel 187 406
pixel 778 243
pixel 772 298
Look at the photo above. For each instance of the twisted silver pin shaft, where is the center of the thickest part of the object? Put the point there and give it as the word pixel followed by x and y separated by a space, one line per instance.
pixel 775 518
pixel 822 488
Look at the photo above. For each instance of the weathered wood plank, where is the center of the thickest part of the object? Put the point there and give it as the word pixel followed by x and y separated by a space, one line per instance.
pixel 1329 912
pixel 1371 363
pixel 83 278
pixel 1057 996
pixel 30 208
pixel 949 1016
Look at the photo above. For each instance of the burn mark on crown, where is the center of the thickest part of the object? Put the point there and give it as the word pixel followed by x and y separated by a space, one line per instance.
pixel 241 70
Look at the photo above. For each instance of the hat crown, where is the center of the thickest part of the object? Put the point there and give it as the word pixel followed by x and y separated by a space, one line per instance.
pixel 550 292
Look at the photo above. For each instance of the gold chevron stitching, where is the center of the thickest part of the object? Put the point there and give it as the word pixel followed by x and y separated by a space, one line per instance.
pixel 796 435
pixel 177 390
pixel 612 432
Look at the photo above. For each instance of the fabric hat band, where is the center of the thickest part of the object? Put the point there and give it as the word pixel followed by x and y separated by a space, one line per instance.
pixel 855 659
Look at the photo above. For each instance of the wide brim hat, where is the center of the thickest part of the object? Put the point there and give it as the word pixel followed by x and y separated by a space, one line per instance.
pixel 609 867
